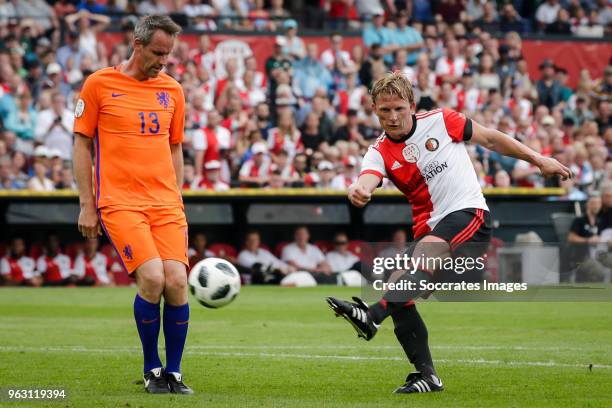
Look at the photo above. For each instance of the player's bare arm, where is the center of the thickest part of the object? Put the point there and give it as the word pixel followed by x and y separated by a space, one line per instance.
pixel 176 150
pixel 88 224
pixel 360 193
pixel 497 141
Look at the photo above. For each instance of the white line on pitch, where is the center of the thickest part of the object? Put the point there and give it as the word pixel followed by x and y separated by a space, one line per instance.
pixel 310 357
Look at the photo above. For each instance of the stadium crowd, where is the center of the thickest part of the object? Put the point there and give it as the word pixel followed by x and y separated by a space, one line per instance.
pixel 306 119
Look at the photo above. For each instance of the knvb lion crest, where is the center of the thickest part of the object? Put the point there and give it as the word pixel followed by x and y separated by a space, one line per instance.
pixel 163 98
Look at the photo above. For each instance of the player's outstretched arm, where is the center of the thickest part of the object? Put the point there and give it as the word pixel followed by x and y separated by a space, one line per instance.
pixel 81 161
pixel 497 141
pixel 360 192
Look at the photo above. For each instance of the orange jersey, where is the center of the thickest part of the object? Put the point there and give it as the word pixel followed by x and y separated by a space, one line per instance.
pixel 133 123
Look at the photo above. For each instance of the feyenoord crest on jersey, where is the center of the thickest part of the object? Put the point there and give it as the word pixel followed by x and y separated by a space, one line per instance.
pixel 432 144
pixel 411 153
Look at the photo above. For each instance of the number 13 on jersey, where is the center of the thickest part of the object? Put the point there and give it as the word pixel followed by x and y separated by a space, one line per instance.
pixel 152 120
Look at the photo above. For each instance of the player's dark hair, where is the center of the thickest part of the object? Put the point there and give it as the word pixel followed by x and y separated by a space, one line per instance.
pixel 148 25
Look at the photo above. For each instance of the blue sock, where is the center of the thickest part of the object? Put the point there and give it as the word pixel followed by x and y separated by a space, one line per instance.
pixel 176 321
pixel 147 318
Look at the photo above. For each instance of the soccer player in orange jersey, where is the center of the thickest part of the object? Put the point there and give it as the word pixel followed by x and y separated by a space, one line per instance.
pixel 132 115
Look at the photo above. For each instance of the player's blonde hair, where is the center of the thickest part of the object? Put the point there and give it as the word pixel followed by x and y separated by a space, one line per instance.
pixel 146 27
pixel 393 83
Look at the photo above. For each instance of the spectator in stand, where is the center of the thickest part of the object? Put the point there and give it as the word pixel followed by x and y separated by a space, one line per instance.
pixel 277 64
pixel 335 58
pixel 211 179
pixel 306 257
pixel 149 7
pixel 198 249
pixel 502 179
pixel 63 7
pixel 54 126
pixel 277 11
pixel 254 171
pixel 451 67
pixel 377 33
pixel 586 232
pixel 89 25
pixel 200 15
pixel 592 27
pixel 561 77
pixel 294 46
pixel 343 262
pixel 263 267
pixel 547 13
pixel 374 67
pixel 70 51
pixel 351 96
pixel 510 19
pixel 39 181
pixel 67 181
pixel 91 267
pixel 487 78
pixel 549 89
pixel 7 177
pixel 310 74
pixel 16 268
pixel 407 38
pixel 312 139
pixel 276 180
pixel 562 25
pixel 19 168
pixel 259 17
pixel 285 136
pixel 53 265
pixel 22 121
pixel 489 17
pixel 348 176
pixel 206 143
pixel 353 131
pixel 253 94
pixel 326 173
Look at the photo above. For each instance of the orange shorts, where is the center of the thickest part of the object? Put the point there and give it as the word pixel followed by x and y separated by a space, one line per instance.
pixel 139 234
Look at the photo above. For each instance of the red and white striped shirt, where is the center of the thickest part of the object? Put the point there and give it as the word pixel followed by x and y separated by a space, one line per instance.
pixel 18 269
pixel 431 166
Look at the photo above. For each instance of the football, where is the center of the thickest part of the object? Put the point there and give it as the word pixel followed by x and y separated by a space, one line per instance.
pixel 214 282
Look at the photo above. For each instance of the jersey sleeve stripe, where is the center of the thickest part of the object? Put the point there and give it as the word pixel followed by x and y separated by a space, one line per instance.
pixel 112 243
pixel 467 130
pixel 426 114
pixel 372 171
pixel 97 188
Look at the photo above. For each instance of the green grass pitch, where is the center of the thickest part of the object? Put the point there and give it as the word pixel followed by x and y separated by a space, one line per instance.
pixel 284 348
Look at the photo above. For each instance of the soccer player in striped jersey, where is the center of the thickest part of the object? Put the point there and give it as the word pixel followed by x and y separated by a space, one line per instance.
pixel 425 156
